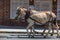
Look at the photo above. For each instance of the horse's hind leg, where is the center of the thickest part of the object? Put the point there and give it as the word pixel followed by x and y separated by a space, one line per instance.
pixel 47 33
pixel 48 30
pixel 52 30
pixel 57 27
pixel 57 33
pixel 43 31
pixel 57 30
pixel 45 27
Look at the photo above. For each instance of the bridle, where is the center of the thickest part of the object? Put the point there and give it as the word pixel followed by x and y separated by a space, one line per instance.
pixel 18 13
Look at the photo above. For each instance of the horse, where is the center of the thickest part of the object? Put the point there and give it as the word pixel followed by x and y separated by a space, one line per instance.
pixel 41 17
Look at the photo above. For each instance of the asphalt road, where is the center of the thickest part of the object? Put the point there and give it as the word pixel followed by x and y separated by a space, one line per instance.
pixel 25 39
pixel 18 27
pixel 17 36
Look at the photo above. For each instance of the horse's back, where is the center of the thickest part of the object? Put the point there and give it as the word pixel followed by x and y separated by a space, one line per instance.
pixel 43 16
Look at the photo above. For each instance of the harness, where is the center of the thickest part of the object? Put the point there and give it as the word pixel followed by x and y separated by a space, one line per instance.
pixel 28 16
pixel 18 13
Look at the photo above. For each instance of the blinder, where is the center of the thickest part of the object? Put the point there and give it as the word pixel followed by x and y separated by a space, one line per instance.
pixel 18 13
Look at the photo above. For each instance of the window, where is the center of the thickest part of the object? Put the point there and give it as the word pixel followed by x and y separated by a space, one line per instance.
pixel 58 9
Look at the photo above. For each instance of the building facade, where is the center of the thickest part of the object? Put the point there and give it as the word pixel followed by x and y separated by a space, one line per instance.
pixel 8 9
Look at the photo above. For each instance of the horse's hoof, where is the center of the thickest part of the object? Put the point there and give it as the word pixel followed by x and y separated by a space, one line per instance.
pixel 51 34
pixel 29 36
pixel 36 32
pixel 57 37
pixel 32 36
pixel 44 36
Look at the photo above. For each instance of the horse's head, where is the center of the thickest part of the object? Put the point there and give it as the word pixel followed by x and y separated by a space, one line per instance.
pixel 20 14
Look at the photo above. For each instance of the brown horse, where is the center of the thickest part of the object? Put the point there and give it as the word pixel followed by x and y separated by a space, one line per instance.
pixel 32 16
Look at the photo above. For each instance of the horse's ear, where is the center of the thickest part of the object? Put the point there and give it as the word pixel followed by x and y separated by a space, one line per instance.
pixel 18 8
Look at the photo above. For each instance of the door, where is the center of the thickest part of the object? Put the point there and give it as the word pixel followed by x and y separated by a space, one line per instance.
pixel 58 9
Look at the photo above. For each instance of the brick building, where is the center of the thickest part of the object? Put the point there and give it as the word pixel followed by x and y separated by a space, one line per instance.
pixel 8 9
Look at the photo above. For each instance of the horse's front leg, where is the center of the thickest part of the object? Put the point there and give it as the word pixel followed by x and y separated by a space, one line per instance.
pixel 48 30
pixel 33 31
pixel 29 26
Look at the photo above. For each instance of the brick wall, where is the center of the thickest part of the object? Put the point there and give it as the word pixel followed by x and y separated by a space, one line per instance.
pixel 54 6
pixel 4 12
pixel 1 11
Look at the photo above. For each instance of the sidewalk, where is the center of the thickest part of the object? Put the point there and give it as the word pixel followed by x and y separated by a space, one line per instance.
pixel 17 29
pixel 20 29
pixel 20 33
pixel 12 27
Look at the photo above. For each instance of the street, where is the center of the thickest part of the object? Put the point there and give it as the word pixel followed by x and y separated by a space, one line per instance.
pixel 19 33
pixel 17 36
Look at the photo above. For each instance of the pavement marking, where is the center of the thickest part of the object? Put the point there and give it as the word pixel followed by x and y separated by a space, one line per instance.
pixel 21 30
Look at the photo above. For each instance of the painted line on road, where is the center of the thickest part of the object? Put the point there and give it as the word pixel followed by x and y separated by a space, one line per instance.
pixel 22 30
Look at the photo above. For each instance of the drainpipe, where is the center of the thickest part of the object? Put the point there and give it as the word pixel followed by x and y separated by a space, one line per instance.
pixel 3 12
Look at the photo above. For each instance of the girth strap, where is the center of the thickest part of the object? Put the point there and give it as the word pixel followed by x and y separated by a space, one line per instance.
pixel 35 20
